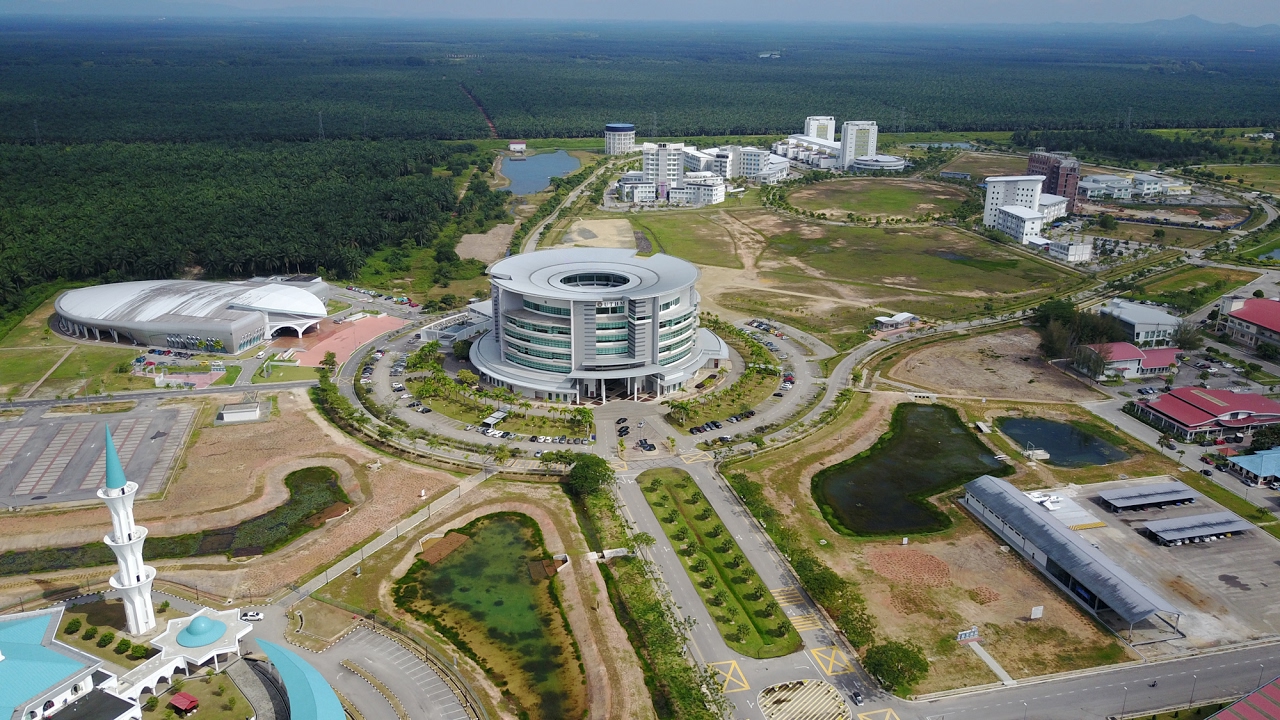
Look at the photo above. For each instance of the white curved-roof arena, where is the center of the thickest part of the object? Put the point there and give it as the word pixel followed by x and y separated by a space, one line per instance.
pixel 866 163
pixel 588 323
pixel 191 314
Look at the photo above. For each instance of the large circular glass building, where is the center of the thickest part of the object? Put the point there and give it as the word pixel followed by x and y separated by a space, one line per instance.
pixel 588 323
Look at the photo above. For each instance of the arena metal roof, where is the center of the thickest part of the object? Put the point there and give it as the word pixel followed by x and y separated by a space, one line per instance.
pixel 150 300
pixel 541 273
pixel 1170 492
pixel 1129 597
pixel 310 696
pixel 1195 526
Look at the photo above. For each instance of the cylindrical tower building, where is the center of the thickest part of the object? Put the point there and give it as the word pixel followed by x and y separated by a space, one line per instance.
pixel 134 578
pixel 589 323
pixel 619 138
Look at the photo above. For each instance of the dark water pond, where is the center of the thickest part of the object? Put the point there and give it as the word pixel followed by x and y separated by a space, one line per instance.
pixel 1273 255
pixel 534 173
pixel 885 490
pixel 1067 445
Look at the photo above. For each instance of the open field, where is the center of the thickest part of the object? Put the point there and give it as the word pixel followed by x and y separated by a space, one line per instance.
pixel 694 236
pixel 878 197
pixel 1005 364
pixel 34 330
pixel 599 234
pixel 22 368
pixel 1173 235
pixel 948 580
pixel 283 373
pixel 932 259
pixel 486 247
pixel 982 165
pixel 1191 287
pixel 1262 177
pixel 840 325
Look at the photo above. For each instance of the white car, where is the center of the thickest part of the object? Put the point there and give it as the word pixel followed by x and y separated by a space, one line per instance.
pixel 251 616
pixel 1228 366
pixel 261 354
pixel 406 396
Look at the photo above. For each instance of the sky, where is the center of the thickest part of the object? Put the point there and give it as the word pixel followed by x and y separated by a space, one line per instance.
pixel 1244 12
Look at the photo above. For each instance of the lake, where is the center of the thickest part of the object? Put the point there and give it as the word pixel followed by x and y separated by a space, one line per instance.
pixel 885 489
pixel 534 173
pixel 1067 445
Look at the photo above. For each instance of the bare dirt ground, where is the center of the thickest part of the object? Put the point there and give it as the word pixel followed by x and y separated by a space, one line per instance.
pixel 615 683
pixel 1226 217
pixel 487 247
pixel 600 234
pixel 235 472
pixel 998 365
pixel 939 584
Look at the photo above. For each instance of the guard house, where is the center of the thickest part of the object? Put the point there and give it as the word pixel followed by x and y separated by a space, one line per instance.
pixel 1069 561
pixel 1197 528
pixel 1145 497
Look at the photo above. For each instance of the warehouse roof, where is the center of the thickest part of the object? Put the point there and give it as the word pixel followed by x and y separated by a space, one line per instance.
pixel 1198 526
pixel 1137 313
pixel 1170 492
pixel 1129 597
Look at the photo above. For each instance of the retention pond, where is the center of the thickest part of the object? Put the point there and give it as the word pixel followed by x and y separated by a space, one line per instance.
pixel 534 173
pixel 1067 445
pixel 493 597
pixel 886 489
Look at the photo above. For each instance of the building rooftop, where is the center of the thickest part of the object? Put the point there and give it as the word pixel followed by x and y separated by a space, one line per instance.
pixel 1123 351
pixel 1170 492
pixel 1263 312
pixel 1195 526
pixel 1137 313
pixel 1263 464
pixel 150 300
pixel 1015 178
pixel 558 274
pixel 1024 213
pixel 310 696
pixel 1129 597
pixel 1197 406
pixel 1051 199
pixel 32 662
pixel 1261 704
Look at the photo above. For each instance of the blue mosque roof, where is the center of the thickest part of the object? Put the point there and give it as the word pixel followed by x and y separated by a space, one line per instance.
pixel 29 666
pixel 202 631
pixel 310 697
pixel 115 471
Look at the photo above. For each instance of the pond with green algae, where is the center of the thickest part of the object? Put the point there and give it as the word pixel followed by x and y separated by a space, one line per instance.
pixel 1067 445
pixel 491 599
pixel 885 489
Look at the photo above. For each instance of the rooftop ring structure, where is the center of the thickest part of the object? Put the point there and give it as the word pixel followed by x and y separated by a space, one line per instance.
pixel 581 324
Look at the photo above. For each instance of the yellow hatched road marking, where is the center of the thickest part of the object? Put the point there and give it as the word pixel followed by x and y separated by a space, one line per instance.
pixel 832 660
pixel 618 465
pixel 788 596
pixel 691 458
pixel 808 621
pixel 885 714
pixel 734 680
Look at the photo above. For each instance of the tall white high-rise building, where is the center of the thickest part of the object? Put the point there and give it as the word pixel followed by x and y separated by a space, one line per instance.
pixel 663 165
pixel 820 126
pixel 1005 190
pixel 857 139
pixel 133 579
pixel 619 138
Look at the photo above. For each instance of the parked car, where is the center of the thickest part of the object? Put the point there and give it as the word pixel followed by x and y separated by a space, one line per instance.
pixel 251 616
pixel 1206 472
pixel 620 421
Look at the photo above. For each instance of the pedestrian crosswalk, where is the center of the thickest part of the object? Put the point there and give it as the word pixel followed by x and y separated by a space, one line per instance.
pixel 806 622
pixel 788 596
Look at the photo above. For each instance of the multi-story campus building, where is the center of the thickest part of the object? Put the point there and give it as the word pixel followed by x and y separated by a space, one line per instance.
pixel 1250 321
pixel 1061 174
pixel 1011 191
pixel 663 165
pixel 735 161
pixel 619 138
pixel 1192 414
pixel 1070 252
pixel 698 189
pixel 857 139
pixel 1145 325
pixel 588 323
pixel 1019 223
pixel 820 126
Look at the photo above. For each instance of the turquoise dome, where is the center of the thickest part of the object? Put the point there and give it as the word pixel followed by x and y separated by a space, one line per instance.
pixel 201 632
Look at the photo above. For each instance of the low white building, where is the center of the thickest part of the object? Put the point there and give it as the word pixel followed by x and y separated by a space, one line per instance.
pixel 1095 187
pixel 898 320
pixel 736 161
pixel 1019 222
pixel 1052 207
pixel 1071 252
pixel 1147 186
pixel 812 151
pixel 517 146
pixel 699 189
pixel 635 187
pixel 696 160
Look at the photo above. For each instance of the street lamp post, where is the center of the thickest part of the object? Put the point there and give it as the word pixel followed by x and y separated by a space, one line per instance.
pixel 1124 704
pixel 1024 711
pixel 1192 700
pixel 1260 669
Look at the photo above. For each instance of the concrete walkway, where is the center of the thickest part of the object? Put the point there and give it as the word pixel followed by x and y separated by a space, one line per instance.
pixel 985 656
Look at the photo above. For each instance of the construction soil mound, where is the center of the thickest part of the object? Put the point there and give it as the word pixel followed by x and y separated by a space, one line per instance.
pixel 910 566
pixel 440 549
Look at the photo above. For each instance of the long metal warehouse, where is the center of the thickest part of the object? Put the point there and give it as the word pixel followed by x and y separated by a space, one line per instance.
pixel 1083 571
pixel 1189 529
pixel 1146 496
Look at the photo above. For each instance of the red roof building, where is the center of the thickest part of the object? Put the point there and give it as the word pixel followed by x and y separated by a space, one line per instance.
pixel 1250 321
pixel 184 702
pixel 1193 413
pixel 1128 361
pixel 1261 704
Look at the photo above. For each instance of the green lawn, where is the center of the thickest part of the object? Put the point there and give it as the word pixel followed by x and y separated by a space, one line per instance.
pixel 878 196
pixel 107 616
pixel 284 373
pixel 745 613
pixel 982 165
pixel 219 698
pixel 19 369
pixel 936 259
pixel 1173 235
pixel 689 235
pixel 89 363
pixel 336 306
pixel 1192 287
pixel 1261 177
pixel 474 412
pixel 233 374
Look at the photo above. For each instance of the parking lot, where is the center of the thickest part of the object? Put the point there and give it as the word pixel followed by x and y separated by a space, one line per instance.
pixel 1223 588
pixel 49 458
